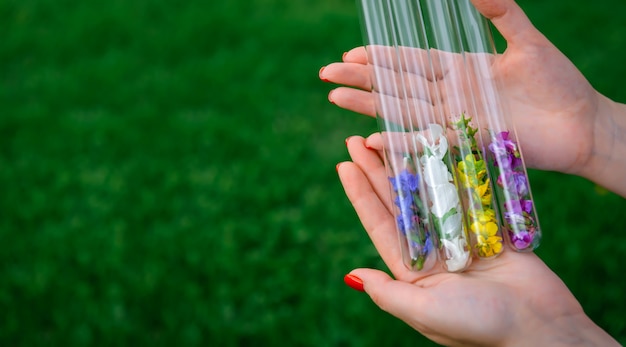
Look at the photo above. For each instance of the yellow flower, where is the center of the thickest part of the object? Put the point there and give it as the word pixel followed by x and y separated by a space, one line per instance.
pixel 483 216
pixel 480 175
pixel 472 172
pixel 463 177
pixel 485 228
pixel 484 193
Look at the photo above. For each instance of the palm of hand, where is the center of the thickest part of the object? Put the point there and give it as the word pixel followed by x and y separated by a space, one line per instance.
pixel 552 106
pixel 549 101
pixel 488 304
pixel 485 305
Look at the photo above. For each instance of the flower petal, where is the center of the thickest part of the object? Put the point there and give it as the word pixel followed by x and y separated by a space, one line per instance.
pixel 435 171
pixel 444 198
pixel 455 253
pixel 452 226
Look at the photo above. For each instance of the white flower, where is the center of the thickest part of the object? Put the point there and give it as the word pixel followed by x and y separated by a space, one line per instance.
pixel 439 147
pixel 435 171
pixel 451 228
pixel 455 253
pixel 444 198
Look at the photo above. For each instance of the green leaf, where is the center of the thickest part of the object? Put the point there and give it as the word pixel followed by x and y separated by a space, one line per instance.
pixel 448 214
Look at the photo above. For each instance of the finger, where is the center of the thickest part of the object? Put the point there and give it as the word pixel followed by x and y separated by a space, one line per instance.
pixel 395 142
pixel 349 74
pixel 375 142
pixel 356 100
pixel 414 60
pixel 372 165
pixel 386 81
pixel 417 61
pixel 380 225
pixel 356 55
pixel 406 142
pixel 374 215
pixel 508 18
pixel 409 113
pixel 404 85
pixel 402 299
pixel 410 59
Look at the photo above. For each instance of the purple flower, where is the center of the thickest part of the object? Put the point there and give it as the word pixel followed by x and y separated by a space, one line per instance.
pixel 404 201
pixel 521 240
pixel 498 149
pixel 518 207
pixel 405 182
pixel 505 151
pixel 514 218
pixel 406 185
pixel 520 182
pixel 424 249
pixel 404 224
pixel 503 138
pixel 508 161
pixel 516 182
pixel 407 219
pixel 527 206
pixel 515 159
pixel 428 244
pixel 502 144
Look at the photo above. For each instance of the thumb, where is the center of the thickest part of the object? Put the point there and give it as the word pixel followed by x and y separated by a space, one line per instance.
pixel 508 18
pixel 401 299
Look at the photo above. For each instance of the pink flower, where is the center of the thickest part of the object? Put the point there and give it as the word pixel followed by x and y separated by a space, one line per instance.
pixel 521 240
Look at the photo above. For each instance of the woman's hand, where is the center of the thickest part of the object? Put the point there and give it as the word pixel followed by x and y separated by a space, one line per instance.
pixel 514 299
pixel 562 122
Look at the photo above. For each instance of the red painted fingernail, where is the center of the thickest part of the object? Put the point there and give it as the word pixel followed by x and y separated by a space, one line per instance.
pixel 337 167
pixel 320 74
pixel 354 282
pixel 348 139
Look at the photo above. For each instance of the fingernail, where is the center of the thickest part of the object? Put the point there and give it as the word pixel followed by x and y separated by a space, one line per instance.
pixel 348 139
pixel 343 57
pixel 337 167
pixel 330 97
pixel 320 74
pixel 354 282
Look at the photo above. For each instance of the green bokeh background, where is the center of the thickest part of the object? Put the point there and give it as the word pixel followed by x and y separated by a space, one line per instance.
pixel 167 175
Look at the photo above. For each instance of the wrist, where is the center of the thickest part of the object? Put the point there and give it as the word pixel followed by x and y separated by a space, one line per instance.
pixel 574 330
pixel 607 163
pixel 577 330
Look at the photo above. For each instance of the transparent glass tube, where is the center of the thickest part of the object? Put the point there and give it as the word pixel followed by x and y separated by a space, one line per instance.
pixel 459 111
pixel 456 170
pixel 403 167
pixel 430 222
pixel 504 155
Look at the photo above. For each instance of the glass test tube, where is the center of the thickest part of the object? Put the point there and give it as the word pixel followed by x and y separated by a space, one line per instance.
pixel 416 146
pixel 438 106
pixel 463 115
pixel 403 166
pixel 504 154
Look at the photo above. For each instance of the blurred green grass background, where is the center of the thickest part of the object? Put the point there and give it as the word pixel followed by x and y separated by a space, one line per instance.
pixel 167 175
